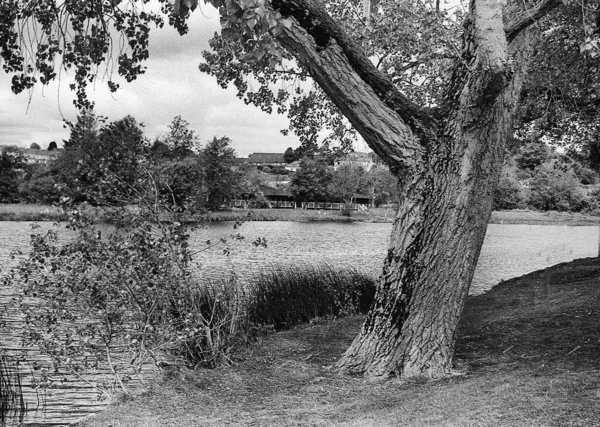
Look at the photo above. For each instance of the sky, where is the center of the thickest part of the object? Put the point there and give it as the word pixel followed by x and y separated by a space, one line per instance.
pixel 171 86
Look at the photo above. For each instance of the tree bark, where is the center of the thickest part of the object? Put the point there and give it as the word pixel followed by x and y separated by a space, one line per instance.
pixel 447 164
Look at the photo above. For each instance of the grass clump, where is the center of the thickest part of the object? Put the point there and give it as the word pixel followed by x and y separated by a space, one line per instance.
pixel 214 320
pixel 287 297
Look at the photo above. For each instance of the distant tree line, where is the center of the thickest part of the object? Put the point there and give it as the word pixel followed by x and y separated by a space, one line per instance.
pixel 110 164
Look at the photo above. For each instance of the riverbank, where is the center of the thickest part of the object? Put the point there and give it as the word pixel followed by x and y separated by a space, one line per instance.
pixel 22 212
pixel 528 355
pixel 30 212
pixel 523 216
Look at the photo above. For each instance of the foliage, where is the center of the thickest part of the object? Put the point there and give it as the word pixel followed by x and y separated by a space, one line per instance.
pixel 285 297
pixel 346 181
pixel 560 97
pixel 553 188
pixel 102 165
pixel 180 142
pixel 35 146
pixel 84 130
pixel 119 296
pixel 128 288
pixel 384 185
pixel 81 35
pixel 289 156
pixel 532 155
pixel 52 146
pixel 40 188
pixel 12 163
pixel 220 180
pixel 508 194
pixel 310 182
pixel 180 183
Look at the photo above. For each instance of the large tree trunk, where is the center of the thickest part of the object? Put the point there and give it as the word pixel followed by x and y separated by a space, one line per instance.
pixel 447 164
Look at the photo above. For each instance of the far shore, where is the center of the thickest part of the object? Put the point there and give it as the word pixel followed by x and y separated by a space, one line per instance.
pixel 38 213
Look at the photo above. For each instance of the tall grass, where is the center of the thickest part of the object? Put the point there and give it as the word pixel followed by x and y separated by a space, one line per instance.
pixel 287 297
pixel 12 405
pixel 213 320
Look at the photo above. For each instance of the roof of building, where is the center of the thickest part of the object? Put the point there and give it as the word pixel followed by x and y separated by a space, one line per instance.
pixel 266 158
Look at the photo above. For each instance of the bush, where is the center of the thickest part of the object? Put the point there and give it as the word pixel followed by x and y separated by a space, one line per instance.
pixel 553 188
pixel 593 202
pixel 346 209
pixel 283 298
pixel 532 155
pixel 508 194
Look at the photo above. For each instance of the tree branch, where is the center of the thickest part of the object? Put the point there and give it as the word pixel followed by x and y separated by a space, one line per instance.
pixel 528 17
pixel 382 127
pixel 312 16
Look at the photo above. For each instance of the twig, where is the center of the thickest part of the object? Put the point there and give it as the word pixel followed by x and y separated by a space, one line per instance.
pixel 529 357
pixel 574 350
pixel 504 352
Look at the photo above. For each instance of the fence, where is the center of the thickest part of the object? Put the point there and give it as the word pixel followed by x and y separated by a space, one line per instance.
pixel 332 206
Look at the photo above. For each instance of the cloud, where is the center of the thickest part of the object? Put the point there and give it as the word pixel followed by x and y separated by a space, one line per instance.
pixel 171 86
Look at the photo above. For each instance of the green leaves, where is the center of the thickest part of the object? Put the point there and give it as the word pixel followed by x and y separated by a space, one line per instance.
pixel 182 7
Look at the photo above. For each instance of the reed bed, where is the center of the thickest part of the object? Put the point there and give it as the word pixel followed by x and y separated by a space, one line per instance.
pixel 220 317
pixel 287 297
pixel 12 404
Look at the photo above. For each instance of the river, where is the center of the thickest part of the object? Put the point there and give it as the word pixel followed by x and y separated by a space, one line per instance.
pixel 508 251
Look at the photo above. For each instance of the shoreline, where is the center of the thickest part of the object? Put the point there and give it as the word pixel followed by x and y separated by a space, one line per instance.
pixel 39 213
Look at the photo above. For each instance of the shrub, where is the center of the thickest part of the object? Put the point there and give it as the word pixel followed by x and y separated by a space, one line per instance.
pixel 553 188
pixel 346 209
pixel 508 194
pixel 532 155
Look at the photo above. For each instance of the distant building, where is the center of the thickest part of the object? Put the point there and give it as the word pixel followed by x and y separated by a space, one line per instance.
pixel 266 159
pixel 364 160
pixel 40 156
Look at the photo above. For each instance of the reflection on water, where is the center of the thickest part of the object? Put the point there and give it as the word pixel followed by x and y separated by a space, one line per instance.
pixel 508 251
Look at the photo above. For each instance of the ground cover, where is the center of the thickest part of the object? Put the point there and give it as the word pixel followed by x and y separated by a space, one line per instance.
pixel 527 355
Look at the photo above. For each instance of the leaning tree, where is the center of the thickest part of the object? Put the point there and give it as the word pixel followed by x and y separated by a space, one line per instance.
pixel 445 146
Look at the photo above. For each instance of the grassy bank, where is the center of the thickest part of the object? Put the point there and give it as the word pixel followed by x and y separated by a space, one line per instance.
pixel 528 354
pixel 33 212
pixel 522 216
pixel 304 215
pixel 19 212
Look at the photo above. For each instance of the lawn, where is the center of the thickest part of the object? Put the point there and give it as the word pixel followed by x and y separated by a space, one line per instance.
pixel 528 354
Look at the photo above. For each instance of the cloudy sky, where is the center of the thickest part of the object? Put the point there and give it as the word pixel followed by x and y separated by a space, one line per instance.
pixel 171 86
